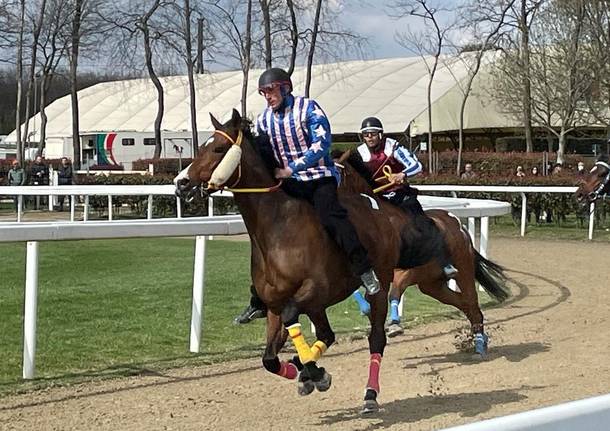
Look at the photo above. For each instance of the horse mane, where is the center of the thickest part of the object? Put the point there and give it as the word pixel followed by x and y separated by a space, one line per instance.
pixel 355 177
pixel 261 144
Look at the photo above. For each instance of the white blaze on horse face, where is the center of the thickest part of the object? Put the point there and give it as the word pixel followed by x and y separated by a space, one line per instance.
pixel 593 169
pixel 182 175
pixel 209 141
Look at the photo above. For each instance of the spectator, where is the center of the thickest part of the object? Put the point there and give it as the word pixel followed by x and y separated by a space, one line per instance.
pixel 64 178
pixel 535 172
pixel 468 173
pixel 520 173
pixel 16 177
pixel 39 173
pixel 580 171
pixel 557 169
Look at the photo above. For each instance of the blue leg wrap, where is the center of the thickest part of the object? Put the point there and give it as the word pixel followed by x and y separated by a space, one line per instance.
pixel 394 316
pixel 480 343
pixel 365 307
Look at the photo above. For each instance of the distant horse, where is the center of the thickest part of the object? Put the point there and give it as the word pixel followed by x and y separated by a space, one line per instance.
pixel 296 267
pixel 426 271
pixel 596 183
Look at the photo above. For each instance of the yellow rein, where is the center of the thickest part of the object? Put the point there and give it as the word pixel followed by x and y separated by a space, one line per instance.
pixel 387 174
pixel 237 142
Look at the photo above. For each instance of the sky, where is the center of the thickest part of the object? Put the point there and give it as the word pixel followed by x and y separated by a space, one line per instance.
pixel 371 19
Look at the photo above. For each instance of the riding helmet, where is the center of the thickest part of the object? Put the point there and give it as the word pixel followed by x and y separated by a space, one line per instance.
pixel 274 75
pixel 371 124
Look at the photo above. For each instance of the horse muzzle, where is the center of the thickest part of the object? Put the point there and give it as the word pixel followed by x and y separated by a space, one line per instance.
pixel 187 191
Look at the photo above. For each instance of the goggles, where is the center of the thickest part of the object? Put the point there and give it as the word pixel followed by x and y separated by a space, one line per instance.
pixel 268 88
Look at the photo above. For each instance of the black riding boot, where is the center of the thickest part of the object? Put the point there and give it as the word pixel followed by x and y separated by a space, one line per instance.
pixel 255 310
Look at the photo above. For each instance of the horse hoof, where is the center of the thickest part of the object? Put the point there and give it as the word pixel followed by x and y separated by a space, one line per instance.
pixel 305 387
pixel 480 345
pixel 324 383
pixel 395 329
pixel 370 406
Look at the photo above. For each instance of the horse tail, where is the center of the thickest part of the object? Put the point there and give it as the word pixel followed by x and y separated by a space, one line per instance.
pixel 491 276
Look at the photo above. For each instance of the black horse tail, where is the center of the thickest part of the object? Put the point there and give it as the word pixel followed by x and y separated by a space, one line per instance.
pixel 491 276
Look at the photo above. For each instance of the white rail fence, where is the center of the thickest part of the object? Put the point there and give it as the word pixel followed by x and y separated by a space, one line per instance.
pixel 590 414
pixel 168 190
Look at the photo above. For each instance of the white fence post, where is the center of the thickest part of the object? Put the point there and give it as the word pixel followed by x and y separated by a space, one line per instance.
pixel 178 208
pixel 472 230
pixel 591 219
pixel 110 207
pixel 86 209
pixel 484 239
pixel 29 318
pixel 198 288
pixel 19 208
pixel 523 213
pixel 149 212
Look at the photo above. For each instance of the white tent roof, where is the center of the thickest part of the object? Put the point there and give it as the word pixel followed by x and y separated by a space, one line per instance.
pixel 392 89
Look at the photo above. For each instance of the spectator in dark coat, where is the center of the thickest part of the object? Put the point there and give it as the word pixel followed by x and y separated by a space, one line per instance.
pixel 64 178
pixel 39 176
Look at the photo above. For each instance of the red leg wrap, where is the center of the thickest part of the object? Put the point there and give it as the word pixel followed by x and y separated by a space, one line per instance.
pixel 374 367
pixel 288 370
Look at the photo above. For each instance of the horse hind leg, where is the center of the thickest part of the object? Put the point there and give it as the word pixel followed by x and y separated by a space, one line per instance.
pixel 377 343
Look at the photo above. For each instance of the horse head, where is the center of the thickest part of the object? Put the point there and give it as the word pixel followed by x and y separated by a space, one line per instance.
pixel 217 163
pixel 596 183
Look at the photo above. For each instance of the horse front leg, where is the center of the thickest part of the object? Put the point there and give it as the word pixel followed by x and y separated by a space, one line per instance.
pixel 377 343
pixel 276 338
pixel 310 376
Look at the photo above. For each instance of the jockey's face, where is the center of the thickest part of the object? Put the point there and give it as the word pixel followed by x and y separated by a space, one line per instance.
pixel 272 94
pixel 372 139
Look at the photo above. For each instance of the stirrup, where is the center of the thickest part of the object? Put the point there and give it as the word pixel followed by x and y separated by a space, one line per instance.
pixel 370 282
pixel 450 271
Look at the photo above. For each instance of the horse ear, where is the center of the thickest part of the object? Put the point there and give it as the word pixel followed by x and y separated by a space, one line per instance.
pixel 235 117
pixel 215 122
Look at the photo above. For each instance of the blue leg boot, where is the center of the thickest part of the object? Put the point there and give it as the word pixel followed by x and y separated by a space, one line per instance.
pixel 480 344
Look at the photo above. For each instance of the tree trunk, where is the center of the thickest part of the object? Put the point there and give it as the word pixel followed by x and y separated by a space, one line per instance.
pixel 199 45
pixel 78 6
pixel 44 88
pixel 294 37
pixel 160 97
pixel 312 48
pixel 267 34
pixel 189 68
pixel 561 149
pixel 32 73
pixel 527 85
pixel 19 76
pixel 246 60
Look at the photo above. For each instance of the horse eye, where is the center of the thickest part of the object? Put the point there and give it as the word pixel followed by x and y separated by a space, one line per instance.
pixel 220 150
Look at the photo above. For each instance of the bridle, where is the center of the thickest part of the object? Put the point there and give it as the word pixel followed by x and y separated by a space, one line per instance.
pixel 236 143
pixel 595 194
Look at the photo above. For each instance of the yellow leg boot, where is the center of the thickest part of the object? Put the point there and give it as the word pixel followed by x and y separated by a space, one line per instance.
pixel 318 349
pixel 305 353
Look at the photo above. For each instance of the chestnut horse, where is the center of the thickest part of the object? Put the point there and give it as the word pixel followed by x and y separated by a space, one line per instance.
pixel 470 264
pixel 596 183
pixel 296 267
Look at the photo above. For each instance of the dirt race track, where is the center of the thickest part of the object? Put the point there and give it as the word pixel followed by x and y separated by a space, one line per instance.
pixel 549 344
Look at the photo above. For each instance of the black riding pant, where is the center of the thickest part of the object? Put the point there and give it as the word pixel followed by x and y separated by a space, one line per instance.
pixel 322 194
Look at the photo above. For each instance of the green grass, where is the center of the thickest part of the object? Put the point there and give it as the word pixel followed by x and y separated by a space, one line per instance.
pixel 120 307
pixel 570 229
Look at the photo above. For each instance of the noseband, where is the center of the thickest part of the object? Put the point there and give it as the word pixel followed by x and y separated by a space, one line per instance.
pixel 595 194
pixel 227 167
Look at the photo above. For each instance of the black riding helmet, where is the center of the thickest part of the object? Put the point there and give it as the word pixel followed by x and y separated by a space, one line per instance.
pixel 272 76
pixel 371 124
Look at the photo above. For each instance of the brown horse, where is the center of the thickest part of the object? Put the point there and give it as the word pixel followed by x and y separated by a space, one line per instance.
pixel 471 265
pixel 596 183
pixel 296 267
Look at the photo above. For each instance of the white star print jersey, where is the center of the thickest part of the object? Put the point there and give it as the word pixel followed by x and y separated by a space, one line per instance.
pixel 300 136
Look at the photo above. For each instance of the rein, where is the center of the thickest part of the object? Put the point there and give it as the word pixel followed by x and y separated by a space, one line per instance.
pixel 237 142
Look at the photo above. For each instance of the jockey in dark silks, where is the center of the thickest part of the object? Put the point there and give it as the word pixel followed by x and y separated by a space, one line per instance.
pixel 299 135
pixel 377 154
